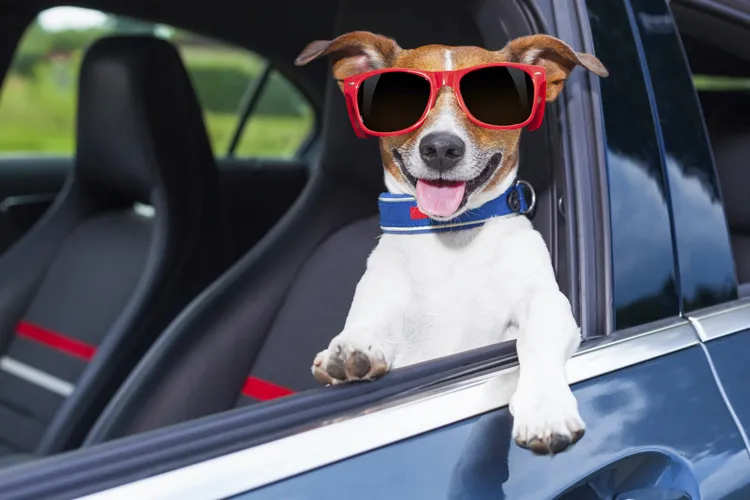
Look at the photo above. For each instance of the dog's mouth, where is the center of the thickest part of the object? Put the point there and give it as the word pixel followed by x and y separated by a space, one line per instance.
pixel 442 198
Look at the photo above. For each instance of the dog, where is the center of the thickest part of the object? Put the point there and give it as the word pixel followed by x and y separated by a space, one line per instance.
pixel 441 287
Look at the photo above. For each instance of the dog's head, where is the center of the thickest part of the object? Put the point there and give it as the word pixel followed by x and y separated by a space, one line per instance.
pixel 449 163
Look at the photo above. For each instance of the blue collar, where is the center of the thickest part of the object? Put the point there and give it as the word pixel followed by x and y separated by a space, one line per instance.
pixel 399 213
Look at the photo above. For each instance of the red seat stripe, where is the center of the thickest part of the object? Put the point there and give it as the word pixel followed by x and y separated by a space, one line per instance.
pixel 263 390
pixel 57 341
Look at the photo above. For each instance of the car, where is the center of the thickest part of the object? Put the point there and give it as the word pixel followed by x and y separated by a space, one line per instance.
pixel 640 195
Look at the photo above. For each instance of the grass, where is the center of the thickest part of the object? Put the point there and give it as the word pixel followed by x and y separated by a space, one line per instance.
pixel 264 136
pixel 37 115
pixel 704 83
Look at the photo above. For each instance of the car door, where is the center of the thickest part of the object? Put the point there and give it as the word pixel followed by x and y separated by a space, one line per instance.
pixel 261 125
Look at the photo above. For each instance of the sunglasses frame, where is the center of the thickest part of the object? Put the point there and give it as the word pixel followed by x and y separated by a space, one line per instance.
pixel 452 79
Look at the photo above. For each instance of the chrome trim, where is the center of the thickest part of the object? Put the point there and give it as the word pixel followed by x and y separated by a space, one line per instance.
pixel 388 423
pixel 722 320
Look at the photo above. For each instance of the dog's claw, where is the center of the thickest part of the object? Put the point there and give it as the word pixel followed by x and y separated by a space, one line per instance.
pixel 547 423
pixel 556 443
pixel 577 435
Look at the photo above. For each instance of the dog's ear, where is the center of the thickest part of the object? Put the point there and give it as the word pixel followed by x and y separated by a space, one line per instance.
pixel 555 56
pixel 352 53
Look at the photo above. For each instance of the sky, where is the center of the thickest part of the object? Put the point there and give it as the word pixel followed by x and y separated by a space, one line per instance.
pixel 61 18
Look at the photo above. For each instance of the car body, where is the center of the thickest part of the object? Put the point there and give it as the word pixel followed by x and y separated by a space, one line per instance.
pixel 661 377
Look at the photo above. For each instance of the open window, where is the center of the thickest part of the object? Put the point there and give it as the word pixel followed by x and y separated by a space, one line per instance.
pixel 201 373
pixel 718 50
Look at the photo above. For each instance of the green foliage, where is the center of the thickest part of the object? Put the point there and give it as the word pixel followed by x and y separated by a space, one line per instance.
pixel 280 97
pixel 38 96
pixel 221 88
pixel 40 45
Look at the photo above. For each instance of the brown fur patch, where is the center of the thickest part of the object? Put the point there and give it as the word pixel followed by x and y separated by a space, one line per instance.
pixel 361 51
pixel 510 160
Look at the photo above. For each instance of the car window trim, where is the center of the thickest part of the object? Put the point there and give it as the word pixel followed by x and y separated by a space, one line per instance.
pixel 395 421
pixel 248 104
pixel 721 320
pixel 583 128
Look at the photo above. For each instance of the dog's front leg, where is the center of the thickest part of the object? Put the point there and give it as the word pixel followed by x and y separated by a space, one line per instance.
pixel 365 349
pixel 545 411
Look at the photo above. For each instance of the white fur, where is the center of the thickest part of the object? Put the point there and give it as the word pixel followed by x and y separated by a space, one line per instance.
pixel 531 56
pixel 448 60
pixel 430 295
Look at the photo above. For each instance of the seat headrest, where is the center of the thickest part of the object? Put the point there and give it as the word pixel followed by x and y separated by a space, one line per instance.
pixel 139 121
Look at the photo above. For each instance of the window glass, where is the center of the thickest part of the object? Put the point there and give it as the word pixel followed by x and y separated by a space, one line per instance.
pixel 721 77
pixel 38 97
pixel 279 124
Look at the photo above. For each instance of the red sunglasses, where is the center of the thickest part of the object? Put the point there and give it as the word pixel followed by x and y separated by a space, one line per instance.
pixel 497 96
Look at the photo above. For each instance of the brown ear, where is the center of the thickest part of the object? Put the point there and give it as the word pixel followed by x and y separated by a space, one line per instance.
pixel 555 56
pixel 352 53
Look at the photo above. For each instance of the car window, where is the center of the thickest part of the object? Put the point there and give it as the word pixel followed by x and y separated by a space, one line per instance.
pixel 721 77
pixel 38 96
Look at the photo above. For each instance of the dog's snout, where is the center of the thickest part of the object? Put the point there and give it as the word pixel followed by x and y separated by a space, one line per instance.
pixel 441 151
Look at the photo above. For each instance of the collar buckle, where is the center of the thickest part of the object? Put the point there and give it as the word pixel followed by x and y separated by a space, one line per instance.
pixel 531 209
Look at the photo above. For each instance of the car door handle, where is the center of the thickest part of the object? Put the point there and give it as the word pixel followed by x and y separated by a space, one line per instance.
pixel 653 493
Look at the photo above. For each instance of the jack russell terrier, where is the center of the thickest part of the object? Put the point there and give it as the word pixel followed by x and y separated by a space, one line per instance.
pixel 458 265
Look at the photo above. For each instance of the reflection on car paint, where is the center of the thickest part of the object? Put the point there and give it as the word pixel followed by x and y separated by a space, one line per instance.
pixel 729 355
pixel 669 406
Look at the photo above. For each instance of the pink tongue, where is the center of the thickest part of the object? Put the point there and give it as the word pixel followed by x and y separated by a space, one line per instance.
pixel 440 198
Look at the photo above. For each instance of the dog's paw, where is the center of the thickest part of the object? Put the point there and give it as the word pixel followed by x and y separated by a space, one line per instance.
pixel 546 422
pixel 349 360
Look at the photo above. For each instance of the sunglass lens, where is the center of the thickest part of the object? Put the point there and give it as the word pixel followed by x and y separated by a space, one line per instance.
pixel 393 101
pixel 498 95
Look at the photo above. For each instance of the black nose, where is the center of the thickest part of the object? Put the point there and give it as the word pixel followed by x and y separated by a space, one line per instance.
pixel 441 151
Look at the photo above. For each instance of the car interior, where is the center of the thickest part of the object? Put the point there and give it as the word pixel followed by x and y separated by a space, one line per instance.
pixel 218 298
pixel 719 57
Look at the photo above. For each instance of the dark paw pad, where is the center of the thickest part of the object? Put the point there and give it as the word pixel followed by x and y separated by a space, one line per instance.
pixel 336 368
pixel 358 365
pixel 553 445
pixel 537 446
pixel 558 443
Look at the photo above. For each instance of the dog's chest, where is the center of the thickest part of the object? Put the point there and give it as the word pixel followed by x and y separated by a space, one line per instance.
pixel 461 290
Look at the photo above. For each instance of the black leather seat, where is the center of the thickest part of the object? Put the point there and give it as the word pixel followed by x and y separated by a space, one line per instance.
pixel 252 336
pixel 133 237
